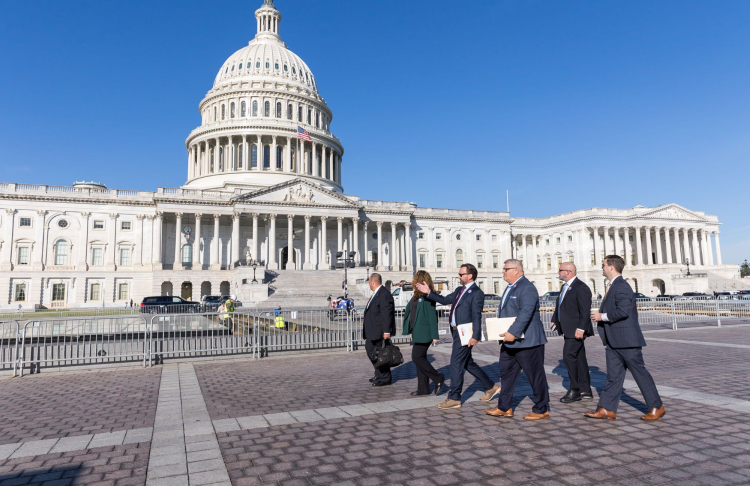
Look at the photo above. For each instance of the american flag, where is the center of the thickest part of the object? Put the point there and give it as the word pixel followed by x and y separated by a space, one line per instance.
pixel 302 133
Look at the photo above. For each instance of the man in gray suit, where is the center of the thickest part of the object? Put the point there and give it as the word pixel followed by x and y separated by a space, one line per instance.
pixel 522 347
pixel 621 334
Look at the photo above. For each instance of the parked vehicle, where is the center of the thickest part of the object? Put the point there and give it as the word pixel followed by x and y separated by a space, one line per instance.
pixel 640 296
pixel 341 306
pixel 549 298
pixel 666 297
pixel 211 303
pixel 168 304
pixel 402 295
pixel 694 296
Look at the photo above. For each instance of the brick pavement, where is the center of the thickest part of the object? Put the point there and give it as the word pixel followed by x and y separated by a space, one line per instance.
pixel 51 405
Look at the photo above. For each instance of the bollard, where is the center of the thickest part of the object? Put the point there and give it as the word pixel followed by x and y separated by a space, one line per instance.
pixel 718 316
pixel 674 317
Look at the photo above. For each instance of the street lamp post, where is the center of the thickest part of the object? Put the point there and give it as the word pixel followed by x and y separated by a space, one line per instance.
pixel 347 259
pixel 687 262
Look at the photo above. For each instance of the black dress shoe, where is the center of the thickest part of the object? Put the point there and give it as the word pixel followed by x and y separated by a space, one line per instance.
pixel 417 394
pixel 587 395
pixel 381 384
pixel 439 386
pixel 571 396
pixel 372 380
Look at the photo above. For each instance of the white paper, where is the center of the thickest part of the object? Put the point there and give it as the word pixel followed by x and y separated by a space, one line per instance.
pixel 499 325
pixel 464 332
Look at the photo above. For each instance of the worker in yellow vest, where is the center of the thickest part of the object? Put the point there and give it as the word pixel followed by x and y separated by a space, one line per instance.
pixel 278 319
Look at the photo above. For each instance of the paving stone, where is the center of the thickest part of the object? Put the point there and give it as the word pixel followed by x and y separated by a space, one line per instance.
pixel 75 443
pixel 34 448
pixel 252 422
pixel 226 425
pixel 331 413
pixel 306 416
pixel 281 418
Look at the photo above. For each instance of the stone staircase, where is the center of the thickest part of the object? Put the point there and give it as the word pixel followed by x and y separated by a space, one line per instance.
pixel 308 289
pixel 719 283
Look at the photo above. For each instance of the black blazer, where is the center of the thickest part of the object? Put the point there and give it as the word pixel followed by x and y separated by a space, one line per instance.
pixel 468 309
pixel 622 330
pixel 380 316
pixel 575 311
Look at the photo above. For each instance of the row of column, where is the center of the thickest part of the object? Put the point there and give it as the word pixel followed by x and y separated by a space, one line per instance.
pixel 223 154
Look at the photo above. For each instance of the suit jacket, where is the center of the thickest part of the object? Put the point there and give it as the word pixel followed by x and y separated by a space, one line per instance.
pixel 622 330
pixel 426 323
pixel 522 302
pixel 380 316
pixel 575 311
pixel 468 309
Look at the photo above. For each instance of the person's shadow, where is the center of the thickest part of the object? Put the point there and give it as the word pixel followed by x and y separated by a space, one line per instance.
pixel 598 380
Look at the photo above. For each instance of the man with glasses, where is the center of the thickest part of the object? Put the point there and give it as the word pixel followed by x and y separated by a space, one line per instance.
pixel 623 340
pixel 522 347
pixel 467 302
pixel 572 320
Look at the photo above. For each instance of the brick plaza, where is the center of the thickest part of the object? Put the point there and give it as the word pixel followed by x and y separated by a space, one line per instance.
pixel 313 419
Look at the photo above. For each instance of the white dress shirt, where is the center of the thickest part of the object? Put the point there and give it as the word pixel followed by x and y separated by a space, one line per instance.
pixel 604 316
pixel 453 317
pixel 568 283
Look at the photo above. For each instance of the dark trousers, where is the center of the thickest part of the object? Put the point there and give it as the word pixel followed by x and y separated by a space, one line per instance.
pixel 461 362
pixel 574 356
pixel 619 360
pixel 382 375
pixel 531 361
pixel 425 371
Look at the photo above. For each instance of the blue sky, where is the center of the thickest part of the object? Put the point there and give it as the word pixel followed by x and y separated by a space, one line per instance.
pixel 569 105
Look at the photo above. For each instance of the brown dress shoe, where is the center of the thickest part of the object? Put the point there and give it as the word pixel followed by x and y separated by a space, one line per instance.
pixel 449 404
pixel 491 393
pixel 655 414
pixel 496 412
pixel 536 416
pixel 601 413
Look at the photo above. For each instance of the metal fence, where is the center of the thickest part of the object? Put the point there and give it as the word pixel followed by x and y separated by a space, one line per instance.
pixel 32 344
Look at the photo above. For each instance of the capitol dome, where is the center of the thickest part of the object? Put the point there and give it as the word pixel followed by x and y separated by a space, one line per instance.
pixel 264 122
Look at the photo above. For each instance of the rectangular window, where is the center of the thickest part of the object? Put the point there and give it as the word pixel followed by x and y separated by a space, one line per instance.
pixel 95 293
pixel 420 235
pixel 557 240
pixel 632 259
pixel 571 259
pixel 98 224
pixel 96 257
pixel 570 238
pixel 497 287
pixel 481 285
pixel 593 260
pixel 23 255
pixel 24 222
pixel 495 261
pixel 546 242
pixel 549 286
pixel 126 225
pixel 58 292
pixel 479 237
pixel 422 260
pixel 549 264
pixel 439 260
pixel 122 291
pixel 125 257
pixel 20 292
pixel 438 236
pixel 480 261
pixel 494 238
pixel 559 261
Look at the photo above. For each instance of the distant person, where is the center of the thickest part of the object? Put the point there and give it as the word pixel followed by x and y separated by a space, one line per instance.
pixel 467 303
pixel 572 320
pixel 421 321
pixel 379 325
pixel 621 335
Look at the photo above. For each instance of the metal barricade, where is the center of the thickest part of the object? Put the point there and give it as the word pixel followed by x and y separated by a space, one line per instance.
pixel 195 334
pixel 10 339
pixel 295 330
pixel 78 341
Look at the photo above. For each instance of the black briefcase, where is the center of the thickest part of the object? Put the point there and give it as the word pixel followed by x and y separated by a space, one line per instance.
pixel 388 354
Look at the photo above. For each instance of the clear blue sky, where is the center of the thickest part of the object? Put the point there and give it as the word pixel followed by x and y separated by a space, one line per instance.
pixel 445 103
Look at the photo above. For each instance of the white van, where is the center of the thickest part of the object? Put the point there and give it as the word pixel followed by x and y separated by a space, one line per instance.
pixel 402 295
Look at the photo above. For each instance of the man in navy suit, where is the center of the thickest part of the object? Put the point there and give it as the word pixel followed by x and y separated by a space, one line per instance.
pixel 621 334
pixel 467 302
pixel 522 347
pixel 379 325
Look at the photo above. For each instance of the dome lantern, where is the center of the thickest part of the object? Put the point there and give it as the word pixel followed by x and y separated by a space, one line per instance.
pixel 268 20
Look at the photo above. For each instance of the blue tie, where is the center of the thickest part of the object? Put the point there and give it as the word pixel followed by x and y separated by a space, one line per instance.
pixel 564 290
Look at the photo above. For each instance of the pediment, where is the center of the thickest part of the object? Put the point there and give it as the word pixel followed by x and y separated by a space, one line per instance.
pixel 297 192
pixel 673 212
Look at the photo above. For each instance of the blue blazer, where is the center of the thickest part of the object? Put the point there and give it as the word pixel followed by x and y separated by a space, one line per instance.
pixel 468 309
pixel 522 303
pixel 622 330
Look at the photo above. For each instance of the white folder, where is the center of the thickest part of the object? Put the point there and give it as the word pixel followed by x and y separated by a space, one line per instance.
pixel 464 332
pixel 499 325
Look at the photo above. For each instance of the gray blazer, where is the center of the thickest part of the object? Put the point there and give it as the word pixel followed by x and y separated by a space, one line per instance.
pixel 522 303
pixel 622 330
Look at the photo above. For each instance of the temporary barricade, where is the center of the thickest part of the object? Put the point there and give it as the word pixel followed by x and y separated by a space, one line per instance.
pixel 68 341
pixel 182 335
pixel 293 330
pixel 10 338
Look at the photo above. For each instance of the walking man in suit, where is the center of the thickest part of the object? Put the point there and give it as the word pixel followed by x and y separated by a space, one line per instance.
pixel 379 325
pixel 522 347
pixel 572 320
pixel 621 334
pixel 467 302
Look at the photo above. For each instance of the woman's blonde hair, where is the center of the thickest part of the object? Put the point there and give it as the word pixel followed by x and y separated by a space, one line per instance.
pixel 421 277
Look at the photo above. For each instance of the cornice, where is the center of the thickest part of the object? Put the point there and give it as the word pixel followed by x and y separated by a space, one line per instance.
pixel 76 200
pixel 291 132
pixel 209 98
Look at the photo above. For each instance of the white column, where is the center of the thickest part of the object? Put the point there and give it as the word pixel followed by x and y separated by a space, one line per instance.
pixel 314 163
pixel 718 248
pixel 290 242
pixel 668 239
pixel 695 258
pixel 526 262
pixel 408 250
pixel 259 144
pixel 112 243
pixel 649 251
pixel 215 263
pixel 255 255
pixel 366 238
pixel 340 245
pixel 235 240
pixel 323 245
pixel 394 253
pixel 380 245
pixel 273 155
pixel 355 246
pixel 197 261
pixel 177 241
pixel 156 234
pixel 677 246
pixel 657 239
pixel 595 234
pixel 329 161
pixel 288 155
pixel 83 244
pixel 638 247
pixel 626 243
pixel 308 264
pixel 138 257
pixel 430 263
pixel 706 249
pixel 710 248
pixel 272 243
pixel 615 236
pixel 605 240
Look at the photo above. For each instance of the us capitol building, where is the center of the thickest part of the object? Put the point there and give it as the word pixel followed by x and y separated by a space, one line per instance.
pixel 260 189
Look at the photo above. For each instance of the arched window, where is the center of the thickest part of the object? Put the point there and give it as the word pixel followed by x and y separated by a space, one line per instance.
pixel 221 159
pixel 239 66
pixel 257 64
pixel 309 116
pixel 286 68
pixel 459 257
pixel 278 110
pixel 276 66
pixel 294 70
pixel 187 254
pixel 268 65
pixel 240 151
pixel 299 114
pixel 317 119
pixel 279 157
pixel 231 110
pixel 212 159
pixel 255 108
pixel 267 109
pixel 243 109
pixel 289 111
pixel 61 252
pixel 255 156
pixel 266 157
